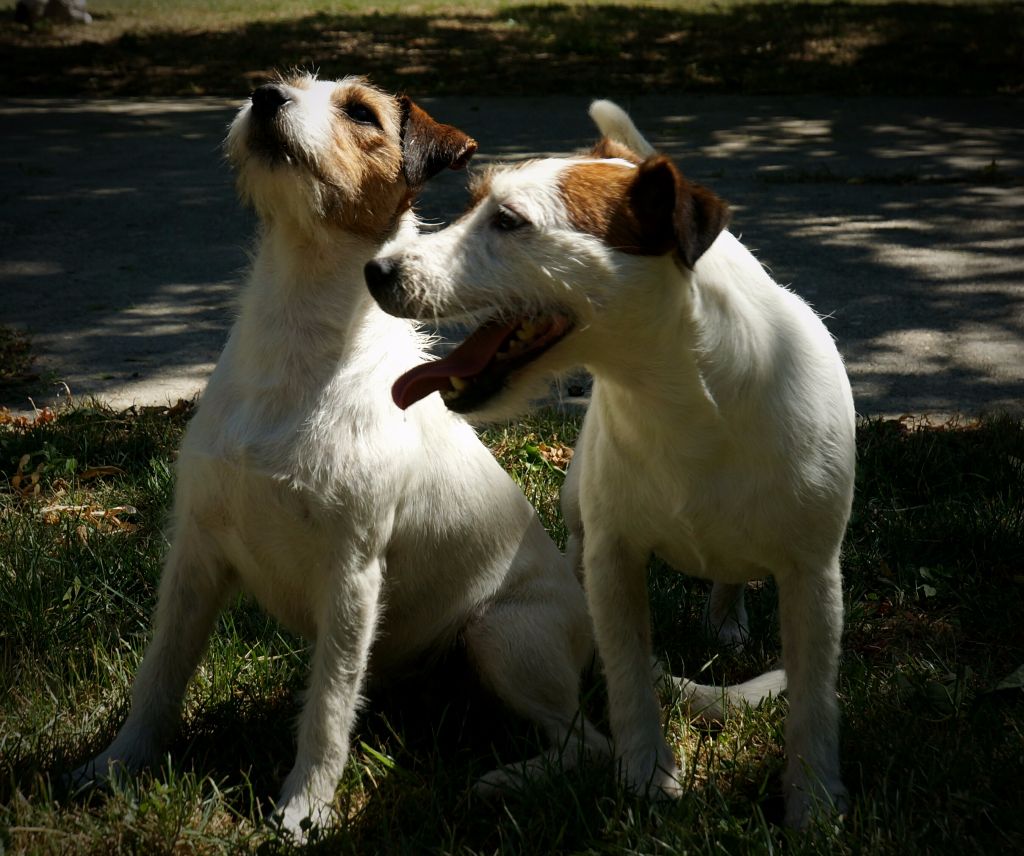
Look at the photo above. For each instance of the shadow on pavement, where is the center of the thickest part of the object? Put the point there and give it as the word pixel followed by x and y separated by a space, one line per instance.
pixel 896 218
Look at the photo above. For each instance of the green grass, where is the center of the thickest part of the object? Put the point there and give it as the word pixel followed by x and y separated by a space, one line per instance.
pixel 932 751
pixel 504 47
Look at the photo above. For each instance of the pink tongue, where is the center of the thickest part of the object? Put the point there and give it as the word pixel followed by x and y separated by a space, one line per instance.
pixel 468 359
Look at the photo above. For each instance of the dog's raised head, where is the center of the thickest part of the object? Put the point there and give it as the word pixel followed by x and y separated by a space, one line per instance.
pixel 337 153
pixel 549 252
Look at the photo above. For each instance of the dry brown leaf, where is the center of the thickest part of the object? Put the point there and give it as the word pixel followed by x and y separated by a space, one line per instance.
pixel 102 519
pixel 557 454
pixel 100 472
pixel 40 417
pixel 26 484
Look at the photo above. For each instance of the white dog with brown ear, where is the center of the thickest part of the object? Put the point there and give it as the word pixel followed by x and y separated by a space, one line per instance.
pixel 720 434
pixel 379 534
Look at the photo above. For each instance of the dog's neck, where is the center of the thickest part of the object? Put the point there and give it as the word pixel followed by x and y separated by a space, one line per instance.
pixel 649 387
pixel 645 352
pixel 307 311
pixel 291 265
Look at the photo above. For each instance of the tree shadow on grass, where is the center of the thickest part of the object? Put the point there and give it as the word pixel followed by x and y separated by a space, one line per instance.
pixel 898 48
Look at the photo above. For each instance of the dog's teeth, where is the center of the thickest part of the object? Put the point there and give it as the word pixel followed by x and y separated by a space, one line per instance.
pixel 458 384
pixel 527 331
pixel 509 349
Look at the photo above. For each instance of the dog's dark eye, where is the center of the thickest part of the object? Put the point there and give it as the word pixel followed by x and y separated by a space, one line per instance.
pixel 507 220
pixel 362 114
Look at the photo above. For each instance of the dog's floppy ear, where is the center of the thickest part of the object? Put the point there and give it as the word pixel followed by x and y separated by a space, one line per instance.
pixel 673 213
pixel 428 146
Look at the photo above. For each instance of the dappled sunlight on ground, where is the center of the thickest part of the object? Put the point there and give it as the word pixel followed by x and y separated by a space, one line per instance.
pixel 896 219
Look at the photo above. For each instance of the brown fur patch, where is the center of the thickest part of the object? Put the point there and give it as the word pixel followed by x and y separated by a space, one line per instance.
pixel 362 171
pixel 596 199
pixel 479 188
pixel 605 148
pixel 429 146
pixel 647 210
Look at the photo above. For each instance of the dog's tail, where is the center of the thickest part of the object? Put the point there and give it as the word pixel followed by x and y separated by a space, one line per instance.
pixel 710 702
pixel 614 123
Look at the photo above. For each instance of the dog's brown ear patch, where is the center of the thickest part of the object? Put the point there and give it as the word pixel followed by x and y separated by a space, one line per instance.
pixel 594 196
pixel 673 212
pixel 649 210
pixel 428 146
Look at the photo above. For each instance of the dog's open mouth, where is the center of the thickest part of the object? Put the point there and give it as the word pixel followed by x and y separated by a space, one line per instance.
pixel 479 368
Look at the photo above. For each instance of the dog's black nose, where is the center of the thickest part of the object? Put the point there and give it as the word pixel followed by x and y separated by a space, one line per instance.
pixel 268 99
pixel 381 278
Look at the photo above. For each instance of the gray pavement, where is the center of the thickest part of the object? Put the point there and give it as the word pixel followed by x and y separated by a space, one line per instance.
pixel 122 247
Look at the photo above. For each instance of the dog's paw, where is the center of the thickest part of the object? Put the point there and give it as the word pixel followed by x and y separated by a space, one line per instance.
pixel 132 750
pixel 652 773
pixel 732 635
pixel 514 778
pixel 100 772
pixel 501 782
pixel 725 617
pixel 808 803
pixel 302 819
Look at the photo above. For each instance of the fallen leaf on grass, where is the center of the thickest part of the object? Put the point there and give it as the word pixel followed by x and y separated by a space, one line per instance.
pixel 100 472
pixel 40 417
pixel 26 484
pixel 557 454
pixel 103 519
pixel 183 405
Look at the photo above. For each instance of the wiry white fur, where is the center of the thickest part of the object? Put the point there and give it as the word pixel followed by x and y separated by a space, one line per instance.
pixel 720 436
pixel 379 534
pixel 308 126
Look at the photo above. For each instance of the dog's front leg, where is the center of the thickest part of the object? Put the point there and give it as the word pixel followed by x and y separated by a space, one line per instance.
pixel 344 634
pixel 811 618
pixel 193 587
pixel 615 579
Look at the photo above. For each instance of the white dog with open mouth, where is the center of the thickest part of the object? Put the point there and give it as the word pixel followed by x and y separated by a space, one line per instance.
pixel 720 434
pixel 381 535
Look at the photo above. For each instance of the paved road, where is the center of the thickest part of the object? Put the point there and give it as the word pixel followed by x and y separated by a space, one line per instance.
pixel 122 247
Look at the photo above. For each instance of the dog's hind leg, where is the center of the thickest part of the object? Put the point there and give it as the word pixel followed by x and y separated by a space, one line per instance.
pixel 193 588
pixel 725 614
pixel 811 614
pixel 529 649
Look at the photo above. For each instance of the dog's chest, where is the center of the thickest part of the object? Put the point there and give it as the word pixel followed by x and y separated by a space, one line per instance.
pixel 286 516
pixel 683 527
pixel 690 512
pixel 275 535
